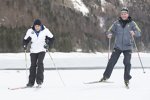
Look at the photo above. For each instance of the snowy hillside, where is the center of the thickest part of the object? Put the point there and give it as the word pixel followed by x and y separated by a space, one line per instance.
pixel 76 24
pixel 80 6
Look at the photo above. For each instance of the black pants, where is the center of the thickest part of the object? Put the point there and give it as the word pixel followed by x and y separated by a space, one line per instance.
pixel 36 68
pixel 113 60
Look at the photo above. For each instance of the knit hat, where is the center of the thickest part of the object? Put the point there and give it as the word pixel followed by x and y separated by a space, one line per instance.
pixel 37 22
pixel 124 9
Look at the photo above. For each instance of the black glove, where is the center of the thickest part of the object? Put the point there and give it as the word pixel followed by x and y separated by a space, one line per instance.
pixel 49 41
pixel 25 47
pixel 46 46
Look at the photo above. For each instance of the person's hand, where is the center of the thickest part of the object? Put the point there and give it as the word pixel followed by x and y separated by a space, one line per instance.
pixel 109 36
pixel 132 33
pixel 25 47
pixel 46 46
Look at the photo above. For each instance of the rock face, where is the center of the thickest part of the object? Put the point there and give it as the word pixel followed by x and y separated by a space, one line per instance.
pixel 76 24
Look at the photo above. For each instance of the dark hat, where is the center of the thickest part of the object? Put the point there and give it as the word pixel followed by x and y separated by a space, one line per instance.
pixel 37 22
pixel 124 9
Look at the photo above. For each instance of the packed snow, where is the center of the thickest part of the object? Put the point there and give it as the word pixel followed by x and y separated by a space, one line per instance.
pixel 74 88
pixel 80 6
pixel 74 80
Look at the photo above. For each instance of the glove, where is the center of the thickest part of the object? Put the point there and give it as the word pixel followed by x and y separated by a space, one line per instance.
pixel 132 33
pixel 109 36
pixel 46 46
pixel 25 47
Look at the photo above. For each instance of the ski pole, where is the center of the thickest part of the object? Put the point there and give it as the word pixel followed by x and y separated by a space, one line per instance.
pixel 109 43
pixel 56 67
pixel 138 54
pixel 109 48
pixel 26 64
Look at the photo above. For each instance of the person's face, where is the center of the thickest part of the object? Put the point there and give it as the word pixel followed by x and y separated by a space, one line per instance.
pixel 124 15
pixel 37 27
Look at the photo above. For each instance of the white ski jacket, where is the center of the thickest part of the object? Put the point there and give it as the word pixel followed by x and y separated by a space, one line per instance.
pixel 38 42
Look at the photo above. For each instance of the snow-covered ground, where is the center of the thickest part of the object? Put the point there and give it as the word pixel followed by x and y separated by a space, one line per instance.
pixel 74 80
pixel 53 89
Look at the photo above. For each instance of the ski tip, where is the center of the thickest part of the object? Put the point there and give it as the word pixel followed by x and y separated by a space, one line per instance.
pixel 10 89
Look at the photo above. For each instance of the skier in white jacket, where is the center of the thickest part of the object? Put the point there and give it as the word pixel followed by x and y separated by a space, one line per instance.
pixel 41 38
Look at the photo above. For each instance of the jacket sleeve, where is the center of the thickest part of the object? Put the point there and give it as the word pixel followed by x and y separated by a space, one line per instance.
pixel 112 29
pixel 49 38
pixel 27 38
pixel 136 29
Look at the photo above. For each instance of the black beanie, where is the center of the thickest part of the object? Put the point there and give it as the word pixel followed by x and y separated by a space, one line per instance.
pixel 37 22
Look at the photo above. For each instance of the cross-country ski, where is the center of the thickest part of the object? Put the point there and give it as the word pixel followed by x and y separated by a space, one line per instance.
pixel 94 82
pixel 24 87
pixel 17 88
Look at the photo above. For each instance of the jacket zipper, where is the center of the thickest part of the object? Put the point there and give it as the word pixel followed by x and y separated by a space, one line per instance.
pixel 122 38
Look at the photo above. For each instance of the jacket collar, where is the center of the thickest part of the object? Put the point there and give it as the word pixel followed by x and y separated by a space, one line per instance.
pixel 38 32
pixel 124 22
pixel 42 28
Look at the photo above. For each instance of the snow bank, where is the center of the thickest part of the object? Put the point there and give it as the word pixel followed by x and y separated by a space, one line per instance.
pixel 80 6
pixel 71 60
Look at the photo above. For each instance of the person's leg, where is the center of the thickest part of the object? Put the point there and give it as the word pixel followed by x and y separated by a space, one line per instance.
pixel 127 63
pixel 33 66
pixel 112 61
pixel 40 69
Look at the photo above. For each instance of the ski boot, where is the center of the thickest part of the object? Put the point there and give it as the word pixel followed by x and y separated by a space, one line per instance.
pixel 39 85
pixel 103 79
pixel 126 84
pixel 29 85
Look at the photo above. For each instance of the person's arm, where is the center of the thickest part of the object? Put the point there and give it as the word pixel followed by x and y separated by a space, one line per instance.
pixel 135 30
pixel 49 40
pixel 111 31
pixel 26 39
